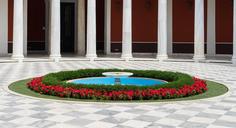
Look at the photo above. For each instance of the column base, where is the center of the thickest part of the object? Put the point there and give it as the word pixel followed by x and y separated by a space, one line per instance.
pixel 211 55
pixel 25 53
pixel 107 52
pixel 91 57
pixel 162 57
pixel 19 58
pixel 81 53
pixel 3 54
pixel 55 58
pixel 127 57
pixel 198 58
pixel 234 60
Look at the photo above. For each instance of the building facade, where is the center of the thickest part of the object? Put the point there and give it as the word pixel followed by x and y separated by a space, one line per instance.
pixel 90 27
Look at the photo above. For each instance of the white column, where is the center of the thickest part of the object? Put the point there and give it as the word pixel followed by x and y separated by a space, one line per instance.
pixel 3 27
pixel 91 30
pixel 18 30
pixel 199 31
pixel 162 30
pixel 211 28
pixel 25 26
pixel 107 46
pixel 55 32
pixel 127 30
pixel 234 35
pixel 170 27
pixel 81 48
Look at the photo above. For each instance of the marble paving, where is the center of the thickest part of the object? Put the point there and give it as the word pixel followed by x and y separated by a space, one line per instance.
pixel 21 112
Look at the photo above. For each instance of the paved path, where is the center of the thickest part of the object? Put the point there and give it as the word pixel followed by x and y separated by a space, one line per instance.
pixel 21 112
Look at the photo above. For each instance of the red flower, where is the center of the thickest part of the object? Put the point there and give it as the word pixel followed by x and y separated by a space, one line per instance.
pixel 199 86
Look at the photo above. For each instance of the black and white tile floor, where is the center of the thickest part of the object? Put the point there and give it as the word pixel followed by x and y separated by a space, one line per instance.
pixel 21 112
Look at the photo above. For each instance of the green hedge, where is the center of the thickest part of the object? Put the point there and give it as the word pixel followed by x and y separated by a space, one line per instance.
pixel 175 79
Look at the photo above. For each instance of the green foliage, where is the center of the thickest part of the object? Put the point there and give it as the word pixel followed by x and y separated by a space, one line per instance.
pixel 214 89
pixel 175 79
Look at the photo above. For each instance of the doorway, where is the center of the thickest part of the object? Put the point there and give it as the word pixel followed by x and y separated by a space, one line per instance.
pixel 67 27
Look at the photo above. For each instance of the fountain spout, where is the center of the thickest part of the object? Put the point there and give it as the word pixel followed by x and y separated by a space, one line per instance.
pixel 117 81
pixel 117 76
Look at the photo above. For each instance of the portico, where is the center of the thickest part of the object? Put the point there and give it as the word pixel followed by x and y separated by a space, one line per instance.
pixel 86 25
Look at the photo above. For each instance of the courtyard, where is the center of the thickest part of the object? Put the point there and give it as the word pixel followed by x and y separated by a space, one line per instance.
pixel 190 45
pixel 25 112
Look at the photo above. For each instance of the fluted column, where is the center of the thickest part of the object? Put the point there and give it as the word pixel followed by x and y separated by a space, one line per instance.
pixel 18 30
pixel 91 30
pixel 55 32
pixel 3 27
pixel 234 35
pixel 162 30
pixel 25 26
pixel 211 28
pixel 170 27
pixel 199 54
pixel 107 34
pixel 127 30
pixel 81 28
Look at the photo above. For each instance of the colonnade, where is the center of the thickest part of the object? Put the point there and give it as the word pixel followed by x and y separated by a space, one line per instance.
pixel 19 29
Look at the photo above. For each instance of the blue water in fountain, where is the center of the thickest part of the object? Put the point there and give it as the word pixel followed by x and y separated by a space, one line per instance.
pixel 120 81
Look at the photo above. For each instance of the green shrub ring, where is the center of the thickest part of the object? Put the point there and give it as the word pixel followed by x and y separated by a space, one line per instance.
pixel 175 79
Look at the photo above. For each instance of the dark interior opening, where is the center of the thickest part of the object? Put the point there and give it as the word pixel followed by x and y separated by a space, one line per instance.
pixel 67 27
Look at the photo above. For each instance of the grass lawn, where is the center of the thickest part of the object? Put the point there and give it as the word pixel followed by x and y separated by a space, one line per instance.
pixel 214 89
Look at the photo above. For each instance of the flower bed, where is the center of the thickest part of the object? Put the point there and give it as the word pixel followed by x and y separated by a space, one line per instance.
pixel 175 79
pixel 167 91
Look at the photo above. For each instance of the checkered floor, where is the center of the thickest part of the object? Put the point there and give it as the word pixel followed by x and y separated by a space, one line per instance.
pixel 21 112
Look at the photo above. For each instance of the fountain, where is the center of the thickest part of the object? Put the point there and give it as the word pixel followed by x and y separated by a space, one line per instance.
pixel 117 76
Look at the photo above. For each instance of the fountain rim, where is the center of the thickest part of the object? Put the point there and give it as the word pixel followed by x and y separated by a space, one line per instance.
pixel 118 74
pixel 70 81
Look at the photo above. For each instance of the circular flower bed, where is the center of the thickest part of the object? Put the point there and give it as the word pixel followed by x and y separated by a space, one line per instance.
pixel 179 85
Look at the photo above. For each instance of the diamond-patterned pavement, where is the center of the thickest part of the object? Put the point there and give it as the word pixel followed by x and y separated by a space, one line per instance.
pixel 21 112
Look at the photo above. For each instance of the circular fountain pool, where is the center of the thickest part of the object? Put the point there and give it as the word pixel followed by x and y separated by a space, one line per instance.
pixel 118 81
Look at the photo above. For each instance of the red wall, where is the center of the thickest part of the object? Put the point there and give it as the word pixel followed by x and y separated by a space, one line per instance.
pixel 116 20
pixel 224 21
pixel 10 20
pixel 36 20
pixel 144 18
pixel 183 20
pixel 100 20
